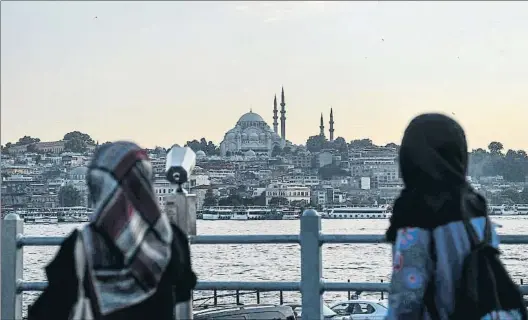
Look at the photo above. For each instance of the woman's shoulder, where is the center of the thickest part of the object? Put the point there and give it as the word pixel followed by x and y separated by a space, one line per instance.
pixel 452 231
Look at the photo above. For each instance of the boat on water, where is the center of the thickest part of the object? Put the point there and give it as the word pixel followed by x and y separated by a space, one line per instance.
pixel 240 213
pixel 506 210
pixel 40 219
pixel 78 218
pixel 55 215
pixel 217 213
pixel 358 212
pixel 290 215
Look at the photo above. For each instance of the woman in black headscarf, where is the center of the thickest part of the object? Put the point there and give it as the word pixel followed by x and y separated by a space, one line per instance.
pixel 429 238
pixel 129 262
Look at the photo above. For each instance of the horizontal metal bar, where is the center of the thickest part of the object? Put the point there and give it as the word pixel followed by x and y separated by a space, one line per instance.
pixel 352 238
pixel 245 239
pixel 513 239
pixel 209 239
pixel 39 241
pixel 31 286
pixel 254 285
pixel 261 286
pixel 261 239
pixel 356 286
pixel 202 285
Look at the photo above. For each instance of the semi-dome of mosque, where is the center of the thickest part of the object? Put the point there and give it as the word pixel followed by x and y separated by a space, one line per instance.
pixel 250 153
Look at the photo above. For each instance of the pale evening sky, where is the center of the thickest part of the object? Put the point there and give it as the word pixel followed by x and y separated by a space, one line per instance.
pixel 165 72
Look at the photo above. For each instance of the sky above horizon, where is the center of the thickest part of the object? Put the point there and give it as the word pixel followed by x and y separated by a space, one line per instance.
pixel 160 73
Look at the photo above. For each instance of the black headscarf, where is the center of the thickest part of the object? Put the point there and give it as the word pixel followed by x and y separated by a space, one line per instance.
pixel 433 164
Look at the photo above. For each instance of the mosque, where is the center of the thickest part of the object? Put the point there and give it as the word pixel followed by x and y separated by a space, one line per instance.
pixel 252 136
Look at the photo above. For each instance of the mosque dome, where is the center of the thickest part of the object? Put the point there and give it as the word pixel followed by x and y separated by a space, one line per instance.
pixel 250 117
pixel 253 136
pixel 200 154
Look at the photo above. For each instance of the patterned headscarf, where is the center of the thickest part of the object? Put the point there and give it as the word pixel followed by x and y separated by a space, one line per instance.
pixel 128 241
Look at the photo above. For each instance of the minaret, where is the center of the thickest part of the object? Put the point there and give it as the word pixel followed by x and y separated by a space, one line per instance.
pixel 275 123
pixel 283 115
pixel 321 127
pixel 331 124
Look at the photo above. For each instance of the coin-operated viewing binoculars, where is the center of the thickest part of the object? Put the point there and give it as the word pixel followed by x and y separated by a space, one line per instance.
pixel 181 206
pixel 179 165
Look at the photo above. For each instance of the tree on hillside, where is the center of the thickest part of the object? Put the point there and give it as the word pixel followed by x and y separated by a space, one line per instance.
pixel 206 146
pixel 360 144
pixel 76 145
pixel 32 148
pixel 316 143
pixel 77 141
pixel 286 150
pixel 495 147
pixel 329 171
pixel 260 200
pixel 392 145
pixel 25 140
pixel 6 147
pixel 340 145
pixel 276 151
pixel 77 135
pixel 210 199
pixel 512 166
pixel 278 201
pixel 232 200
pixel 69 197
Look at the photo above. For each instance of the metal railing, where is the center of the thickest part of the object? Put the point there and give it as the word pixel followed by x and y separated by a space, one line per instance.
pixel 311 286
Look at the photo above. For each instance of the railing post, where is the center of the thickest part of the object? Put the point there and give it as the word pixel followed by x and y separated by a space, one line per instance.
pixel 348 290
pixel 311 265
pixel 181 210
pixel 382 293
pixel 12 267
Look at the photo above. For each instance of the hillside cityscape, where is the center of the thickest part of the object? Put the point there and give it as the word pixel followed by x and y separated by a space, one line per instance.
pixel 254 165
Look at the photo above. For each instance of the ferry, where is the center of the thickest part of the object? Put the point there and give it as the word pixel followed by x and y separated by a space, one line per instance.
pixel 290 215
pixel 217 213
pixel 40 219
pixel 504 210
pixel 359 212
pixel 522 209
pixel 240 214
pixel 260 213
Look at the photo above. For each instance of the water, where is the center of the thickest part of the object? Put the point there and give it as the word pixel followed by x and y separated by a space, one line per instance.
pixel 277 262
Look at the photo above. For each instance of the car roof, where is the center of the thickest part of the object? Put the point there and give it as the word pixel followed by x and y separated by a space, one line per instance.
pixel 356 301
pixel 242 308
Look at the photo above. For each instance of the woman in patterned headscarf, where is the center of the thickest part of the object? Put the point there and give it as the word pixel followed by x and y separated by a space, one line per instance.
pixel 129 262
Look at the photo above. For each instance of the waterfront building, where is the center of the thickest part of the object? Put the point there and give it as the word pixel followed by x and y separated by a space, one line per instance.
pixel 291 193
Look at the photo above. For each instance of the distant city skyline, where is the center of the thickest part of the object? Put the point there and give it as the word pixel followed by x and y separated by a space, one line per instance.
pixel 161 73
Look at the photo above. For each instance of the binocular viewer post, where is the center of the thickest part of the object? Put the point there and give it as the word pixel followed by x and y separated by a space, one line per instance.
pixel 179 165
pixel 180 207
